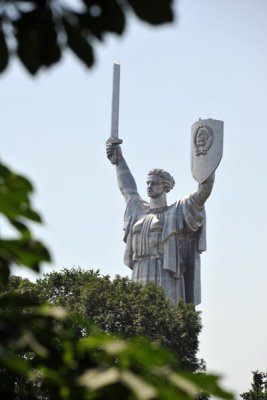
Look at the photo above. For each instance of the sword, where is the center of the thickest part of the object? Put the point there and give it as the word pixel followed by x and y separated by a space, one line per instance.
pixel 114 135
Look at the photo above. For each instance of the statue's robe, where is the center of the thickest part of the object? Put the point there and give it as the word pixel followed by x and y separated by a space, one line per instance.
pixel 183 238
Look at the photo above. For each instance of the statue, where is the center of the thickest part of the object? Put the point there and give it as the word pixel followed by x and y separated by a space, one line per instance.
pixel 163 243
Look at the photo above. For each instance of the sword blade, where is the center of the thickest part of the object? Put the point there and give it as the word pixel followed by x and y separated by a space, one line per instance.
pixel 115 101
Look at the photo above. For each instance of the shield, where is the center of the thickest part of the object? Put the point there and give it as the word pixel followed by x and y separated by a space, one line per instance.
pixel 206 147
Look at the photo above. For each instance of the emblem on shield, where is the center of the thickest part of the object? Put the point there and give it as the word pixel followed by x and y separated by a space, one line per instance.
pixel 203 139
pixel 206 148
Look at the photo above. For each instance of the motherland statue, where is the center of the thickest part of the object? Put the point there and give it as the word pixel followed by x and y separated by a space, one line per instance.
pixel 164 243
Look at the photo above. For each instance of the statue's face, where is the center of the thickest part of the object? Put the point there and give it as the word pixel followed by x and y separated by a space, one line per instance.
pixel 154 186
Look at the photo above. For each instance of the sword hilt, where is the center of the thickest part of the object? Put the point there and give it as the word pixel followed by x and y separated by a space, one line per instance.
pixel 115 142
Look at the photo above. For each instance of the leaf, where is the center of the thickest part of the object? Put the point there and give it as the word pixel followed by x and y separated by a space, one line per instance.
pixel 184 384
pixel 4 271
pixel 115 347
pixel 37 38
pixel 78 44
pixel 14 300
pixel 14 181
pixel 14 198
pixel 208 383
pixel 154 12
pixel 3 51
pixel 96 379
pixel 103 16
pixel 12 206
pixel 139 386
pixel 28 339
pixel 59 313
pixel 15 363
pixel 22 228
pixel 26 252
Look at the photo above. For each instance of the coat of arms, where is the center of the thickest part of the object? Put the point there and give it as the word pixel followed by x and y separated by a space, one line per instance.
pixel 206 148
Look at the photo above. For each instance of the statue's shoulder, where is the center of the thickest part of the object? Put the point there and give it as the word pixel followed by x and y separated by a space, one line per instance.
pixel 136 206
pixel 174 207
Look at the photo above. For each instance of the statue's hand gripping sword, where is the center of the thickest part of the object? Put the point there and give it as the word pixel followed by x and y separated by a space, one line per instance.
pixel 114 136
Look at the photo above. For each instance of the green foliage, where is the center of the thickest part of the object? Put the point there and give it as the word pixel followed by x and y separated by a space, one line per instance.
pixel 43 29
pixel 15 206
pixel 123 307
pixel 42 358
pixel 258 389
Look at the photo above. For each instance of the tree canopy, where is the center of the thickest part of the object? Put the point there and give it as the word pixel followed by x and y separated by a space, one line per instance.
pixel 39 31
pixel 121 307
pixel 258 389
pixel 52 353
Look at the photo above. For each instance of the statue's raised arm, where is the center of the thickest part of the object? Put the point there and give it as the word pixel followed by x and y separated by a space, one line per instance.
pixel 126 181
pixel 125 178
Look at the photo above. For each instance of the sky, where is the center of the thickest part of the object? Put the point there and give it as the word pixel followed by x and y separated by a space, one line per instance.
pixel 210 63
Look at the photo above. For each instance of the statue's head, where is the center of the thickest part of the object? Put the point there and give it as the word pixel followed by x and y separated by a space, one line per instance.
pixel 159 182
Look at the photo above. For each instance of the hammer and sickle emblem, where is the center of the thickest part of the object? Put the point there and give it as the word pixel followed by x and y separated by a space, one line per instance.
pixel 203 139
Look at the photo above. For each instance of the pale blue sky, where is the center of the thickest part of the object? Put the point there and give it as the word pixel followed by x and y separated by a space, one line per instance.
pixel 211 63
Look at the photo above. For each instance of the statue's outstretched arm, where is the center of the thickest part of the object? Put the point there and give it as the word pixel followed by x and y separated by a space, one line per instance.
pixel 125 178
pixel 204 190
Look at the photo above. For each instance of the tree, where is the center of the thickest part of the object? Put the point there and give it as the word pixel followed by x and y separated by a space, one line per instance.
pixel 42 358
pixel 122 307
pixel 43 29
pixel 258 389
